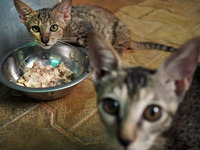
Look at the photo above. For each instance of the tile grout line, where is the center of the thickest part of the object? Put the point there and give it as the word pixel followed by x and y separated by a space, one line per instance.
pixel 154 9
pixel 181 12
pixel 18 117
pixel 141 18
pixel 136 62
pixel 57 127
pixel 90 144
pixel 195 28
pixel 154 30
pixel 155 59
pixel 46 106
pixel 76 126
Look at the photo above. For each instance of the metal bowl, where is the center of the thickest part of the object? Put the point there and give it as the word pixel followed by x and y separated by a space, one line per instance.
pixel 13 64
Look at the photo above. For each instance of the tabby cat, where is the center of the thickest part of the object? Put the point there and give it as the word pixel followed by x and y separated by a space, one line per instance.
pixel 139 106
pixel 67 23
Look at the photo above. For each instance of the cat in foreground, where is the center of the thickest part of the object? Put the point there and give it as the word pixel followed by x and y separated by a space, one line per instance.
pixel 67 23
pixel 140 106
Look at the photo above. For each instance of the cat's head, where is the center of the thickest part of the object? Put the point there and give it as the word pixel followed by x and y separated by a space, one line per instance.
pixel 45 25
pixel 137 104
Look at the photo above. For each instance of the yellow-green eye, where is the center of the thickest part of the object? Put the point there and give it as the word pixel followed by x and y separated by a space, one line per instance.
pixel 36 28
pixel 54 28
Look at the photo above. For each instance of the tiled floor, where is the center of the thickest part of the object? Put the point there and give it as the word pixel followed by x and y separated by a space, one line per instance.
pixel 108 4
pixel 72 122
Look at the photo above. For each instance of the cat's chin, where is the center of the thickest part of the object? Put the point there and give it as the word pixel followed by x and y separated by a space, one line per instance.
pixel 45 46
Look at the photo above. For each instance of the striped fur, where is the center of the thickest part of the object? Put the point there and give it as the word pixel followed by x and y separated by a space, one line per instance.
pixel 151 45
pixel 145 109
pixel 82 20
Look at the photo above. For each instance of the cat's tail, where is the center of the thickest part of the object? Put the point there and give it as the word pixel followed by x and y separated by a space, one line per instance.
pixel 150 45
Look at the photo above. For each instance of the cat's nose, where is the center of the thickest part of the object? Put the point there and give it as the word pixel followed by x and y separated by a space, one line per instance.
pixel 125 142
pixel 45 40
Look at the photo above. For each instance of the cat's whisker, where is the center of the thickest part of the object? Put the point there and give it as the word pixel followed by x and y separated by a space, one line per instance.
pixel 62 41
pixel 59 43
pixel 26 42
pixel 30 39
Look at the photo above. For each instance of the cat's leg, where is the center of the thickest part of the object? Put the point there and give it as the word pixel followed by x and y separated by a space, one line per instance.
pixel 121 38
pixel 79 34
pixel 78 39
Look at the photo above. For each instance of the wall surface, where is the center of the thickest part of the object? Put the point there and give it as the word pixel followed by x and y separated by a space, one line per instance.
pixel 13 33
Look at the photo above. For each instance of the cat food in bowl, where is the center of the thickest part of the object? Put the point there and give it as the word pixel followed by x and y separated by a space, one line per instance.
pixel 18 66
pixel 45 76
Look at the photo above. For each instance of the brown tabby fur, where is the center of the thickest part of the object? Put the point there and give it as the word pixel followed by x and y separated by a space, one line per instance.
pixel 75 23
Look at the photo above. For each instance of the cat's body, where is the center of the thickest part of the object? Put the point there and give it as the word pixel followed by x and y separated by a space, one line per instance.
pixel 85 18
pixel 140 106
pixel 72 24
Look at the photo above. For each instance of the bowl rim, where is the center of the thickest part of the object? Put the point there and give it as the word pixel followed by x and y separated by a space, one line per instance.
pixel 14 86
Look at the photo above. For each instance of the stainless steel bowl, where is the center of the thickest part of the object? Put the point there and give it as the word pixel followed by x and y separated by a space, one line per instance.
pixel 13 64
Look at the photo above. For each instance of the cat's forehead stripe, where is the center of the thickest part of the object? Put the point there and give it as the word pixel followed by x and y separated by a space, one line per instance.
pixel 44 15
pixel 137 78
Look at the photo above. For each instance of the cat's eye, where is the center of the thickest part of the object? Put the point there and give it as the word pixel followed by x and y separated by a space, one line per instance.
pixel 111 106
pixel 54 28
pixel 152 113
pixel 36 28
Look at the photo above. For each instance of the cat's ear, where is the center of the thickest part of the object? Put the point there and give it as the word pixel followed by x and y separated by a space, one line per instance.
pixel 23 10
pixel 103 57
pixel 179 68
pixel 63 10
